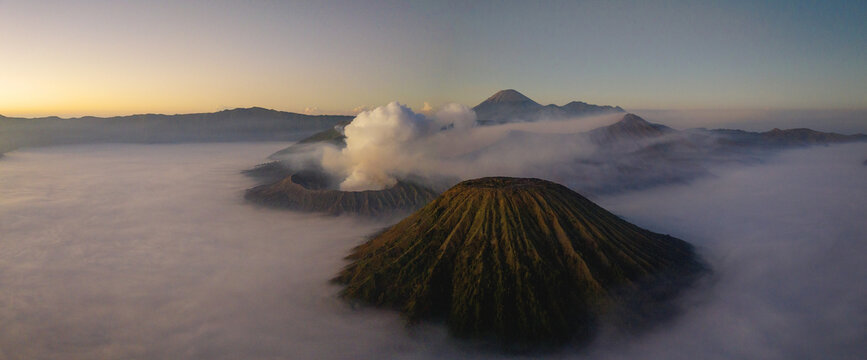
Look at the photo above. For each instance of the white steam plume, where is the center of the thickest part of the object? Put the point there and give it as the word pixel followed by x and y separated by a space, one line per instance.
pixel 378 143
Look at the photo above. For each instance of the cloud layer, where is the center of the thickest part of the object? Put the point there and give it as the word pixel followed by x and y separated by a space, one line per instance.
pixel 149 252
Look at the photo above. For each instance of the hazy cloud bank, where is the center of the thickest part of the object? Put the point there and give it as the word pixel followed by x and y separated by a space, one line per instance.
pixel 786 240
pixel 149 252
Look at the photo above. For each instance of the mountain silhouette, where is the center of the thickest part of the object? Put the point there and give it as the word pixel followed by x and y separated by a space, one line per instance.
pixel 630 128
pixel 510 106
pixel 242 124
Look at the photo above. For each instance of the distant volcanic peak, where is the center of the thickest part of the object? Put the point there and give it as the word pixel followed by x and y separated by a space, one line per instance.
pixel 630 128
pixel 510 106
pixel 634 122
pixel 509 96
pixel 332 136
pixel 631 118
pixel 523 260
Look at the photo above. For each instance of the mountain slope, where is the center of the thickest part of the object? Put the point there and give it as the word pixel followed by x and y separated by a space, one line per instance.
pixel 630 128
pixel 525 261
pixel 333 136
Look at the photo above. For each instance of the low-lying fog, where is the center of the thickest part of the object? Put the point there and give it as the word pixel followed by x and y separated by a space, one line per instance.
pixel 149 252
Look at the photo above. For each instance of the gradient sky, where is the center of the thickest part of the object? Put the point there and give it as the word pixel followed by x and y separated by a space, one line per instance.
pixel 73 58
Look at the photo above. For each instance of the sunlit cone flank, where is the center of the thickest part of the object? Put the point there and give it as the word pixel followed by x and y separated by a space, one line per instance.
pixel 522 261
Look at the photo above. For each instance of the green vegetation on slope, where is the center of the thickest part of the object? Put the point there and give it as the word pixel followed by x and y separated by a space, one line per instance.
pixel 520 260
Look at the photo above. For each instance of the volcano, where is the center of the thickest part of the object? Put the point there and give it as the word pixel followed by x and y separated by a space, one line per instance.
pixel 315 191
pixel 630 128
pixel 510 106
pixel 519 261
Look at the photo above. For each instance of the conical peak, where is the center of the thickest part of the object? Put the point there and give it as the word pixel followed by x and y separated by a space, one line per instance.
pixel 508 96
pixel 631 127
pixel 526 261
pixel 633 119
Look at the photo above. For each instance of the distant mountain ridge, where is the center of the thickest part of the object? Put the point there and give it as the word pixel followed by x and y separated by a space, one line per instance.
pixel 235 112
pixel 510 106
pixel 634 154
pixel 634 128
pixel 241 124
pixel 784 138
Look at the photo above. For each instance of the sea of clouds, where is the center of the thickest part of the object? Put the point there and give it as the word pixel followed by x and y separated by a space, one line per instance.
pixel 149 252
